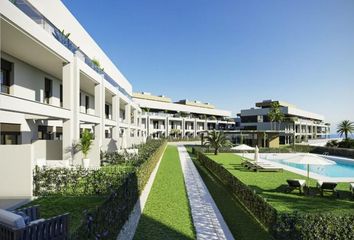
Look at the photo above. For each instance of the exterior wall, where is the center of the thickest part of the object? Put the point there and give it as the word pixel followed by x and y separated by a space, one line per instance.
pixel 29 82
pixel 16 171
pixel 48 149
pixel 37 55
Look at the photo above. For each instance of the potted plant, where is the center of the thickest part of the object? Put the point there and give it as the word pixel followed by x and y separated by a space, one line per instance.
pixel 85 146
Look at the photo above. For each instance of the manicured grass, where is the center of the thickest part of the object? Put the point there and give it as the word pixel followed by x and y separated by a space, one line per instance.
pixel 242 225
pixel 166 214
pixel 273 187
pixel 56 205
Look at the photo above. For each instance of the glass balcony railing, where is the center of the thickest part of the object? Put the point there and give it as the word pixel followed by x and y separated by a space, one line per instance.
pixel 37 17
pixel 4 89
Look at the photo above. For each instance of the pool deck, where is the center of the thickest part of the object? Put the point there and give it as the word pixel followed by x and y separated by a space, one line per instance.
pixel 299 171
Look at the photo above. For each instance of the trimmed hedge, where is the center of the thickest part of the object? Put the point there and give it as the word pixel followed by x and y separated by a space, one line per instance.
pixel 107 219
pixel 78 181
pixel 265 213
pixel 293 226
pixel 342 152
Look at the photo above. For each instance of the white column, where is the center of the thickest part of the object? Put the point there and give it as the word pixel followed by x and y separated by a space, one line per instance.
pixel 99 107
pixel 115 116
pixel 128 121
pixel 166 127
pixel 71 95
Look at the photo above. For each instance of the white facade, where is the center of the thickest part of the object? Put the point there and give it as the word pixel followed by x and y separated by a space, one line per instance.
pixel 299 124
pixel 51 90
pixel 163 118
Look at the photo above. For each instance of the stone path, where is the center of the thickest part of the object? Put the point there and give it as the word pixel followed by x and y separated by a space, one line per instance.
pixel 129 228
pixel 208 221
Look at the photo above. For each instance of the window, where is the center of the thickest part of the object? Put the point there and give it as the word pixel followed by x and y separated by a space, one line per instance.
pixel 47 90
pixel 108 133
pixel 45 133
pixel 59 133
pixel 10 133
pixel 61 95
pixel 106 110
pixel 87 103
pixel 5 83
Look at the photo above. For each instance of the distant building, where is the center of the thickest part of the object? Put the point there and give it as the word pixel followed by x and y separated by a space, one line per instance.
pixel 161 117
pixel 298 125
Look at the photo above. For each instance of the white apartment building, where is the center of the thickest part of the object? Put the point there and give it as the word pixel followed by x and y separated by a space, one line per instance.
pixel 54 85
pixel 161 117
pixel 298 124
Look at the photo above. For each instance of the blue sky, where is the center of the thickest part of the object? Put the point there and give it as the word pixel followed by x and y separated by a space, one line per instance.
pixel 232 53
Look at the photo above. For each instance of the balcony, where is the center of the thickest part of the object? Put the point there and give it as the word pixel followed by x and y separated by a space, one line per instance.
pixel 63 38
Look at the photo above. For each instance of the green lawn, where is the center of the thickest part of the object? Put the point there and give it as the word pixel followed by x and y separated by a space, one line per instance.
pixel 242 225
pixel 56 205
pixel 273 187
pixel 166 214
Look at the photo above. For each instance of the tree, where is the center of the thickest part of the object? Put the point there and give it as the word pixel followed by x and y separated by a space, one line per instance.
pixel 85 142
pixel 275 114
pixel 345 127
pixel 175 132
pixel 216 140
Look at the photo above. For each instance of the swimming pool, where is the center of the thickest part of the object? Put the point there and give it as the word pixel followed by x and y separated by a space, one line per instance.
pixel 343 167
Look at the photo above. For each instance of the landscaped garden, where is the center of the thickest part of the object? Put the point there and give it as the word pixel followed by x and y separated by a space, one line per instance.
pixel 285 214
pixel 166 214
pixel 273 187
pixel 241 223
pixel 99 201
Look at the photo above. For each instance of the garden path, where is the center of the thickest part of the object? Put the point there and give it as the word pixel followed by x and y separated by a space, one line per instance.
pixel 208 221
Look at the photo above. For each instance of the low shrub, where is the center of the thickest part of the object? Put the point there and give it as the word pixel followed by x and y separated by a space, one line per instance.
pixel 120 184
pixel 78 181
pixel 265 213
pixel 346 143
pixel 106 221
pixel 298 226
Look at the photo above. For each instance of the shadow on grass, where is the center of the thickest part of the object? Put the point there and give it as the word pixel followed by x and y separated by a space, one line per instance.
pixel 151 229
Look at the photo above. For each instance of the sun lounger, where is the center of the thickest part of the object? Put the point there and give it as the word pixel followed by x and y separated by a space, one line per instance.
pixel 296 184
pixel 327 187
pixel 264 167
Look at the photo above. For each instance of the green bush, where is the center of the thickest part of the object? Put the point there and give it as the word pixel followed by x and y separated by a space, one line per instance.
pixel 108 218
pixel 346 143
pixel 265 213
pixel 78 181
pixel 293 226
pixel 322 226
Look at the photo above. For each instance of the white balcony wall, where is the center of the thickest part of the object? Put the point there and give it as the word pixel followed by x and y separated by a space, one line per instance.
pixel 29 82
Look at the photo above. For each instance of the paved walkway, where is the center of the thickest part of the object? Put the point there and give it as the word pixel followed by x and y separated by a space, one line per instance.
pixel 208 221
pixel 130 226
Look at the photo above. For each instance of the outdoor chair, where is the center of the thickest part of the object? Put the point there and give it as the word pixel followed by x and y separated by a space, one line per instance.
pixel 296 184
pixel 327 187
pixel 26 224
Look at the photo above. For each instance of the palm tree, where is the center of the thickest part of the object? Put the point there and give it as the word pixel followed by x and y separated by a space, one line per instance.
pixel 345 127
pixel 275 114
pixel 85 142
pixel 216 140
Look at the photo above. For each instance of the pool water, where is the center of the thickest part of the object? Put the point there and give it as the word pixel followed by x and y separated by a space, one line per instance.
pixel 340 169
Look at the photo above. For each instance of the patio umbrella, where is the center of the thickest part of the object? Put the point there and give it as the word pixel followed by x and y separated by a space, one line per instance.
pixel 256 154
pixel 309 159
pixel 243 147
